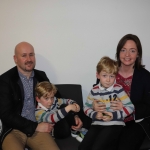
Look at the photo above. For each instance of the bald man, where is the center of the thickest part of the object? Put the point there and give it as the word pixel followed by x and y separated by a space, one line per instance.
pixel 17 104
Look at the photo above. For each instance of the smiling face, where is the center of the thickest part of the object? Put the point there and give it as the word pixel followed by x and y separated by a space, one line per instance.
pixel 47 100
pixel 128 53
pixel 24 57
pixel 106 79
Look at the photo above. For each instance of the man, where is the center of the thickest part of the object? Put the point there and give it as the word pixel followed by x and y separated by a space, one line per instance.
pixel 17 105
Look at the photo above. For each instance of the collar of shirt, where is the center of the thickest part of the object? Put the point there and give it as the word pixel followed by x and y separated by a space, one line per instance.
pixel 107 89
pixel 23 76
pixel 43 107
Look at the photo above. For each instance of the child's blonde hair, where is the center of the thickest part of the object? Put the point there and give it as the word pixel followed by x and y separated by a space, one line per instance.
pixel 107 64
pixel 44 88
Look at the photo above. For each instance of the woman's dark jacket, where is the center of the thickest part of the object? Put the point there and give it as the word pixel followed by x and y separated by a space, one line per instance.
pixel 11 102
pixel 140 97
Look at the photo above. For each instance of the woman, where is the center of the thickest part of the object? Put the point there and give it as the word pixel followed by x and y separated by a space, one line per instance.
pixel 135 80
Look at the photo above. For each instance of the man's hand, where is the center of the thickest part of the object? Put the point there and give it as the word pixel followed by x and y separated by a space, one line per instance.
pixel 99 107
pixel 78 122
pixel 44 127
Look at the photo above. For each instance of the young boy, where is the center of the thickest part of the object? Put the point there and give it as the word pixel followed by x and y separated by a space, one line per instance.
pixel 53 110
pixel 107 125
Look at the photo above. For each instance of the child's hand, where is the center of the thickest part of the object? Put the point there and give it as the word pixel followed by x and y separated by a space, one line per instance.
pixel 97 106
pixel 107 116
pixel 77 107
pixel 72 107
pixel 116 105
pixel 99 115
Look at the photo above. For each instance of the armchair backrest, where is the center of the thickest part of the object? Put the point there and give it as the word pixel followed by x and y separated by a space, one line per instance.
pixel 71 91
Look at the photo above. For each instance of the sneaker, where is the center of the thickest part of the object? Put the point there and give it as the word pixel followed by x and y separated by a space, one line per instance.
pixel 74 133
pixel 81 135
pixel 83 131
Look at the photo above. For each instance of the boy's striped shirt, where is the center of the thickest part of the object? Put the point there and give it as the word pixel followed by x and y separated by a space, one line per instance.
pixel 113 93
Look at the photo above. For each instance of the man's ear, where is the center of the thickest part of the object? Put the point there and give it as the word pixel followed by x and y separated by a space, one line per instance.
pixel 15 59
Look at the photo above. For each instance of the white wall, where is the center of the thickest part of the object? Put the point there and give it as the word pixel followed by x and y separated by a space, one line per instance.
pixel 70 36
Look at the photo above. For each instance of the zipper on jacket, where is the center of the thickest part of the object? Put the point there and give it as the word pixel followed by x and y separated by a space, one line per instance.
pixel 144 130
pixel 5 134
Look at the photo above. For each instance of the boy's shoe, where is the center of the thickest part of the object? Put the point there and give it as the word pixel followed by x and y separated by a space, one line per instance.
pixel 79 135
pixel 74 133
pixel 83 131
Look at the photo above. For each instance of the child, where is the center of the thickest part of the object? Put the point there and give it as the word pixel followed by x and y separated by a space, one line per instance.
pixel 107 125
pixel 51 109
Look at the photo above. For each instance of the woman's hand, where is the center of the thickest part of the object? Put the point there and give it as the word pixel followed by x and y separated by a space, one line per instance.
pixel 116 105
pixel 78 122
pixel 101 107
